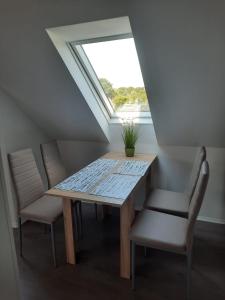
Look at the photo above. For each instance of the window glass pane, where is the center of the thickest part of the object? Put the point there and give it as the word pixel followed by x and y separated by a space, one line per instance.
pixel 116 65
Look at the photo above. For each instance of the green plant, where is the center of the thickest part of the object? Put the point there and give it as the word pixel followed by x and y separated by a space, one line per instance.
pixel 130 136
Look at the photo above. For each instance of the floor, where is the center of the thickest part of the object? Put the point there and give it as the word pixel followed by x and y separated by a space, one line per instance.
pixel 159 276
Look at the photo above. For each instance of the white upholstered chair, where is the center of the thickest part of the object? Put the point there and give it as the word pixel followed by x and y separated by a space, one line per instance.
pixel 32 203
pixel 177 203
pixel 56 173
pixel 167 232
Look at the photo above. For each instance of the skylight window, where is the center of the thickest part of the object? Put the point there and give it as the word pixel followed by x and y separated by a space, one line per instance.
pixel 102 59
pixel 112 70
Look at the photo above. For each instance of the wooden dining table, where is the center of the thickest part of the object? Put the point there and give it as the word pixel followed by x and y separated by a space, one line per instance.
pixel 126 207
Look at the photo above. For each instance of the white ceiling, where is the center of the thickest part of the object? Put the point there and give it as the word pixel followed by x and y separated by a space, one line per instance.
pixel 181 47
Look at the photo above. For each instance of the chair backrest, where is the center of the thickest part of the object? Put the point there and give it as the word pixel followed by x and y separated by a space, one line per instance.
pixel 197 199
pixel 54 167
pixel 26 177
pixel 199 158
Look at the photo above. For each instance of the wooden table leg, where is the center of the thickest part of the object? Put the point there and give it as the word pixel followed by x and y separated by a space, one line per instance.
pixel 126 219
pixel 68 227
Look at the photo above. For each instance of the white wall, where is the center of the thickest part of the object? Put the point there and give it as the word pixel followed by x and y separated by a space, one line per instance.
pixel 146 142
pixel 17 131
pixel 174 167
pixel 171 170
pixel 35 74
pixel 181 50
pixel 77 154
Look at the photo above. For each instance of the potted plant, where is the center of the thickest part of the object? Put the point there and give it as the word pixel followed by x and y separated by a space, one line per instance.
pixel 130 137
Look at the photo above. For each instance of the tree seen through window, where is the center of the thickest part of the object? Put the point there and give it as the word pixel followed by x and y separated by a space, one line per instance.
pixel 114 64
pixel 125 98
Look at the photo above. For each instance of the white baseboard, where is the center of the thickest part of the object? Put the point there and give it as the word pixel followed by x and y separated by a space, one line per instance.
pixel 211 220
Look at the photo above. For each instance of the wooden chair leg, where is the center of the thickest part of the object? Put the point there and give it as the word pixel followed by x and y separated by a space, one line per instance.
pixel 53 244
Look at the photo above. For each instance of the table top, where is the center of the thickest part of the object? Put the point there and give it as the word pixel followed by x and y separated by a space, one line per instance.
pixel 99 199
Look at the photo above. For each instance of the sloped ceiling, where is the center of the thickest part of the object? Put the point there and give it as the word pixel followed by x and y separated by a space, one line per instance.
pixel 32 71
pixel 181 47
pixel 181 44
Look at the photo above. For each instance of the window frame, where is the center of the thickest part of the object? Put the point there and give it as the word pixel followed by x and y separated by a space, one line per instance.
pixel 94 83
pixel 91 78
pixel 61 36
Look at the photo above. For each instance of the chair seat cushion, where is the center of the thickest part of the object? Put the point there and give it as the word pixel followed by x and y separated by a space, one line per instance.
pixel 160 231
pixel 46 209
pixel 168 202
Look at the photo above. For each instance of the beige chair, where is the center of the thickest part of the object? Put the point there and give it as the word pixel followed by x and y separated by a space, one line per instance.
pixel 32 203
pixel 53 164
pixel 168 232
pixel 172 202
pixel 56 173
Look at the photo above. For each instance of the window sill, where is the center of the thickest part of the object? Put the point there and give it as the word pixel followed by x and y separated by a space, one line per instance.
pixel 141 121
